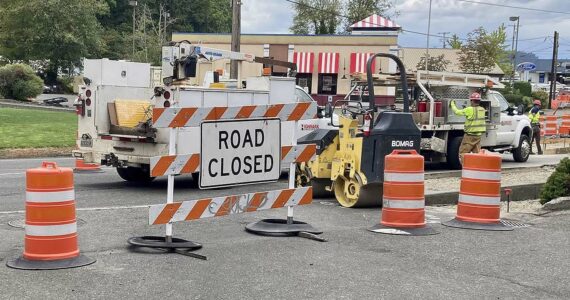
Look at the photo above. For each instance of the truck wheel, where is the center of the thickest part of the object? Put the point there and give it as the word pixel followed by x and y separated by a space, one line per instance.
pixel 133 174
pixel 522 152
pixel 453 160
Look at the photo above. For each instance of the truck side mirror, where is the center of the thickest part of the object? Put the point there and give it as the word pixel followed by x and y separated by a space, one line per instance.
pixel 520 110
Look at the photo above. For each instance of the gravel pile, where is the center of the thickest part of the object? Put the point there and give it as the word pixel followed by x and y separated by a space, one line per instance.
pixel 508 177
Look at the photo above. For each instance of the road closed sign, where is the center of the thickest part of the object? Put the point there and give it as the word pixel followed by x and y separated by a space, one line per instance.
pixel 237 152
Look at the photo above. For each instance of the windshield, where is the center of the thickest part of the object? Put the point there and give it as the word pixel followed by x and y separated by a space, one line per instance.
pixel 302 96
pixel 502 101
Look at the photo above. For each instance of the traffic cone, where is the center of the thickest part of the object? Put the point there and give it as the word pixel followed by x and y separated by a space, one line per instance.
pixel 51 227
pixel 403 202
pixel 479 201
pixel 82 167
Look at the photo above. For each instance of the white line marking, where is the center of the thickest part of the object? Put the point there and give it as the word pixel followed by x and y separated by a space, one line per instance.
pixel 83 209
pixel 20 173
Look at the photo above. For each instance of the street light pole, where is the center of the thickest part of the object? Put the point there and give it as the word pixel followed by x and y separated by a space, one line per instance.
pixel 514 45
pixel 427 39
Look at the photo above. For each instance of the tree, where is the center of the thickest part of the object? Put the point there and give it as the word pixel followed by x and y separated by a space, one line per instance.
pixel 482 51
pixel 455 42
pixel 316 16
pixel 60 31
pixel 357 10
pixel 435 63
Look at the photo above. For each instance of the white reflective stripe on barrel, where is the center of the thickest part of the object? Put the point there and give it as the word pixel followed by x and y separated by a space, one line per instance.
pixel 51 230
pixel 404 177
pixel 404 204
pixel 482 175
pixel 47 197
pixel 479 199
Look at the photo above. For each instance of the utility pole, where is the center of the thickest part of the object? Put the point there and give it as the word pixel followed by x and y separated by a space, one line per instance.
pixel 553 70
pixel 134 5
pixel 427 37
pixel 236 35
pixel 444 38
pixel 514 45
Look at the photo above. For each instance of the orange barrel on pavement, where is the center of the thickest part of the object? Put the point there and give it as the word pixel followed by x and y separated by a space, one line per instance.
pixel 51 227
pixel 480 192
pixel 551 126
pixel 565 125
pixel 82 167
pixel 403 202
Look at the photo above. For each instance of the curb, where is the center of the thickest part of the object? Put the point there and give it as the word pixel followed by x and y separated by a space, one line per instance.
pixel 33 106
pixel 457 173
pixel 519 193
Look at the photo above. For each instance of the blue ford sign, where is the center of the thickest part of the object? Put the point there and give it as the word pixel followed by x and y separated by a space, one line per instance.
pixel 526 66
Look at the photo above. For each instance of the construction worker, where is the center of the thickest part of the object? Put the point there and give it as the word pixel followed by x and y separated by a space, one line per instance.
pixel 534 116
pixel 474 125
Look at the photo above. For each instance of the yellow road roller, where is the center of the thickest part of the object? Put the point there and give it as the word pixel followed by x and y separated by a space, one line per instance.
pixel 350 159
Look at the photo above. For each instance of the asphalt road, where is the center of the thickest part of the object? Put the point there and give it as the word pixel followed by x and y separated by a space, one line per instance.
pixel 529 262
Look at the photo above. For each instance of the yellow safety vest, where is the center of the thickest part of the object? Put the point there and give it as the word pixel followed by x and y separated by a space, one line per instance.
pixel 534 118
pixel 474 119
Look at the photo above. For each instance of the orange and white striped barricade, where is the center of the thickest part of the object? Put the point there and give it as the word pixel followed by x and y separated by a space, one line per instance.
pixel 565 126
pixel 51 227
pixel 551 126
pixel 403 201
pixel 479 204
pixel 226 133
pixel 542 121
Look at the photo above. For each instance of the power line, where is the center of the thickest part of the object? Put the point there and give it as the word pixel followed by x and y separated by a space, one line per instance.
pixel 516 7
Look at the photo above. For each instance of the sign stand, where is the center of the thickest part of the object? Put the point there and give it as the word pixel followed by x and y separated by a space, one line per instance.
pixel 177 245
pixel 288 227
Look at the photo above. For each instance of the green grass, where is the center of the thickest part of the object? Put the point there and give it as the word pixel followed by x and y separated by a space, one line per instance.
pixel 29 128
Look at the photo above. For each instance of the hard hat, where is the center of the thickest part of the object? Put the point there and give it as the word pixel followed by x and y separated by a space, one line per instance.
pixel 475 97
pixel 537 102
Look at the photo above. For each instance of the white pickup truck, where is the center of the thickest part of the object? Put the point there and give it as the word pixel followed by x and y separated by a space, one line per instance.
pixel 508 130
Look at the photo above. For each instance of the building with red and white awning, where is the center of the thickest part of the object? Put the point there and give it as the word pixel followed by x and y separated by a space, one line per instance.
pixel 304 61
pixel 375 22
pixel 328 62
pixel 358 62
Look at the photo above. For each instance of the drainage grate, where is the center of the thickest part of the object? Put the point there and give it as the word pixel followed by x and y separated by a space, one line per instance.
pixel 514 223
pixel 21 223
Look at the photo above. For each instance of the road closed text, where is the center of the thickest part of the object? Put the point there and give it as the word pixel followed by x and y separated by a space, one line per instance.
pixel 239 152
pixel 237 140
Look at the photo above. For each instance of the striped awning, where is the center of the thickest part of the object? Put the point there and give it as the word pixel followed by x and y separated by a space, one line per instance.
pixel 358 62
pixel 304 61
pixel 328 62
pixel 375 21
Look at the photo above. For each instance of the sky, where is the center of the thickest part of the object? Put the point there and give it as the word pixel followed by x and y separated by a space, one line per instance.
pixel 454 16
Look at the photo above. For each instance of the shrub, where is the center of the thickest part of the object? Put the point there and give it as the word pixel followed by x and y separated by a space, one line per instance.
pixel 558 184
pixel 523 87
pixel 542 96
pixel 19 82
pixel 514 99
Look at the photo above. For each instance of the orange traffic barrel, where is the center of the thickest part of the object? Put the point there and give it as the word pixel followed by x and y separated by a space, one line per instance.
pixel 82 167
pixel 542 121
pixel 403 201
pixel 479 204
pixel 565 125
pixel 51 228
pixel 551 126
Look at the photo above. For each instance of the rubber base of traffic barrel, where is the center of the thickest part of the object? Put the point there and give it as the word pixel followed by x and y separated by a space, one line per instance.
pixel 426 230
pixel 24 264
pixel 279 227
pixel 477 226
